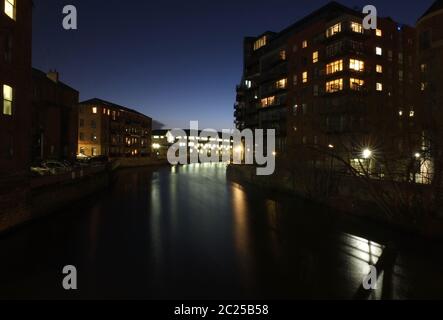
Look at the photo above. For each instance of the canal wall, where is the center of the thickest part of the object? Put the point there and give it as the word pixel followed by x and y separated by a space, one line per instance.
pixel 51 193
pixel 348 195
pixel 122 163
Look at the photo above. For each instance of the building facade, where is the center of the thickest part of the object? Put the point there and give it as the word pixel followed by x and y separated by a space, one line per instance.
pixel 108 129
pixel 54 118
pixel 15 109
pixel 15 82
pixel 430 60
pixel 343 88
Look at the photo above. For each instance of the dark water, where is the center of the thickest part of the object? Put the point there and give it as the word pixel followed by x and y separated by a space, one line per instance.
pixel 187 232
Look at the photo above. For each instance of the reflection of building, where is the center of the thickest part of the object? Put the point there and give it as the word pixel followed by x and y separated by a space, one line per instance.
pixel 107 129
pixel 54 118
pixel 162 140
pixel 430 57
pixel 15 87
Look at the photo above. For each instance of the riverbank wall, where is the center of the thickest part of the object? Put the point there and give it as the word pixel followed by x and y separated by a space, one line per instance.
pixel 123 163
pixel 345 194
pixel 48 194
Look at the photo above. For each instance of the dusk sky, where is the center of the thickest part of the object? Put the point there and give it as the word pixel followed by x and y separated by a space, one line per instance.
pixel 175 61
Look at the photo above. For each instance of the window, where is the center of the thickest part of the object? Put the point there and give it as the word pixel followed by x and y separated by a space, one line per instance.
pixel 423 68
pixel 378 32
pixel 379 51
pixel 94 110
pixel 316 90
pixel 356 65
pixel 315 57
pixel 8 49
pixel 283 55
pixel 82 136
pixel 334 86
pixel 94 152
pixel 305 77
pixel 356 84
pixel 266 102
pixel 379 68
pixel 295 80
pixel 401 75
pixel 93 124
pixel 10 8
pixel 379 86
pixel 8 96
pixel 305 44
pixel 356 27
pixel 260 43
pixel 82 123
pixel 411 114
pixel 333 30
pixel 334 67
pixel 281 84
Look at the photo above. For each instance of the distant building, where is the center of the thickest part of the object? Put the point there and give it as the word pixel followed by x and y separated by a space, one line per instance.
pixel 54 118
pixel 162 140
pixel 430 59
pixel 108 129
pixel 334 85
pixel 15 87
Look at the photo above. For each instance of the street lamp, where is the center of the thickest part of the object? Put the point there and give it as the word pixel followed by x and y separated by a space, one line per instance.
pixel 367 153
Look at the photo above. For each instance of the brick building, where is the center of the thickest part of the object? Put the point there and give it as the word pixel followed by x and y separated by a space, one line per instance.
pixel 15 93
pixel 15 82
pixel 430 60
pixel 108 129
pixel 336 85
pixel 54 118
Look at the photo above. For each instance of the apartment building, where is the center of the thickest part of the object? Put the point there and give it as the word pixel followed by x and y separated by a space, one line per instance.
pixel 54 118
pixel 108 129
pixel 346 88
pixel 262 95
pixel 15 83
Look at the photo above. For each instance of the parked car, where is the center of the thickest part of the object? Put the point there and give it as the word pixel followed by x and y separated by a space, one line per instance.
pixel 56 167
pixel 40 172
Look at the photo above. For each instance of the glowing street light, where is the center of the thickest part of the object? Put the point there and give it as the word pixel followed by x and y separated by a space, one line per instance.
pixel 367 153
pixel 156 146
pixel 417 155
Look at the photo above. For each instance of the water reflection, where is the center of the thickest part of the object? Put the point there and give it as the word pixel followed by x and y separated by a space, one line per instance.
pixel 187 232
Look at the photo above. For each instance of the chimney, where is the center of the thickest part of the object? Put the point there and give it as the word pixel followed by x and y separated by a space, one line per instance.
pixel 53 75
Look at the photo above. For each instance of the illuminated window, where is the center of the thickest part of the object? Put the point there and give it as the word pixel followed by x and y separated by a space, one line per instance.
pixel 378 51
pixel 8 95
pixel 334 86
pixel 356 84
pixel 423 68
pixel 412 114
pixel 94 110
pixel 305 77
pixel 423 86
pixel 378 33
pixel 356 27
pixel 356 65
pixel 266 102
pixel 283 55
pixel 333 30
pixel 315 57
pixel 281 84
pixel 379 68
pixel 334 67
pixel 379 86
pixel 260 43
pixel 104 110
pixel 10 8
pixel 305 44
